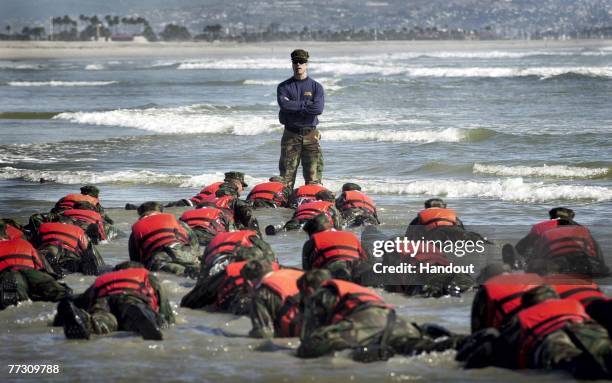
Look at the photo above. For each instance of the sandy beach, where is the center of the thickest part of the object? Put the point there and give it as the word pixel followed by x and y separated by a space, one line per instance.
pixel 23 50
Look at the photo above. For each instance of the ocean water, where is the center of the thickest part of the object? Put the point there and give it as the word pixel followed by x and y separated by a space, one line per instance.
pixel 502 134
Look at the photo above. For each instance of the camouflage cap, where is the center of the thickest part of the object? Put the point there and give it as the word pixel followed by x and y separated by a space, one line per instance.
pixel 350 186
pixel 150 206
pixel 316 224
pixel 227 189
pixel 255 269
pixel 561 212
pixel 236 176
pixel 299 54
pixel 90 190
pixel 435 202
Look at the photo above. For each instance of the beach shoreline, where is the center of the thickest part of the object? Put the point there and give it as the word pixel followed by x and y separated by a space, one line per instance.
pixel 33 50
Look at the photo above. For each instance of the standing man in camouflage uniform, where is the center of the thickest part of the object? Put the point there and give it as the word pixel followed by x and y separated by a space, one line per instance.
pixel 301 100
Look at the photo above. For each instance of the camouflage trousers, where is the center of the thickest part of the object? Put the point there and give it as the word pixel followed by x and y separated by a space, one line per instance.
pixel 305 148
pixel 35 285
pixel 110 314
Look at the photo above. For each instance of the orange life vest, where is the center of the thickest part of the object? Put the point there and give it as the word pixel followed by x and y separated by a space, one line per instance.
pixel 69 200
pixel 539 321
pixel 18 254
pixel 437 216
pixel 64 235
pixel 233 283
pixel 13 232
pixel 540 227
pixel 566 239
pixel 208 218
pixel 307 193
pixel 206 193
pixel 503 296
pixel 356 199
pixel 311 209
pixel 88 217
pixel 155 231
pixel 350 297
pixel 132 281
pixel 284 284
pixel 269 191
pixel 583 290
pixel 221 203
pixel 332 245
pixel 227 242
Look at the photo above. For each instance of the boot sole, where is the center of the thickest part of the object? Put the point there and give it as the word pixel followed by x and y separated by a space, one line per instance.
pixel 74 325
pixel 143 324
pixel 9 295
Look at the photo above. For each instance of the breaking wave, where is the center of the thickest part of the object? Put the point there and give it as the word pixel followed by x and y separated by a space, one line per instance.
pixel 187 119
pixel 509 189
pixel 416 136
pixel 552 171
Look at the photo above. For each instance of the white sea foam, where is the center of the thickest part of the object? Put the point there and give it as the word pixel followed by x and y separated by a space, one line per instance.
pixel 329 83
pixel 261 82
pixel 94 67
pixel 556 171
pixel 241 63
pixel 542 72
pixel 60 83
pixel 188 119
pixel 11 158
pixel 20 66
pixel 508 189
pixel 417 136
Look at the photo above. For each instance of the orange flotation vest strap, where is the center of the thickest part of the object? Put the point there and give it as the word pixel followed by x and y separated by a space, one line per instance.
pixel 156 231
pixel 284 284
pixel 332 245
pixel 504 293
pixel 68 201
pixel 540 320
pixel 207 193
pixel 356 199
pixel 227 242
pixel 132 281
pixel 89 217
pixel 566 239
pixel 64 235
pixel 19 254
pixel 269 191
pixel 350 297
pixel 207 218
pixel 311 209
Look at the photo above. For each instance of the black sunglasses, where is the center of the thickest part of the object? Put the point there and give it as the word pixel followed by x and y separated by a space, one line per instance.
pixel 299 61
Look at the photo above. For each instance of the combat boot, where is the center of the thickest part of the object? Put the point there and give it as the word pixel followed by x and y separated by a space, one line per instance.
pixel 74 320
pixel 8 291
pixel 143 321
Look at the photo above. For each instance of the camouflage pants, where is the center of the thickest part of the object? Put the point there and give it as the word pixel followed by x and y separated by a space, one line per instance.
pixel 304 148
pixel 35 285
pixel 111 314
pixel 361 329
pixel 178 259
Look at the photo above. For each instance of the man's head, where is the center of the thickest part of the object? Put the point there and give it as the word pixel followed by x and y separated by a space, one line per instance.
pixel 435 202
pixel 317 224
pixel 150 207
pixel 562 213
pixel 299 60
pixel 325 195
pixel 90 190
pixel 349 186
pixel 312 280
pixel 254 270
pixel 237 178
pixel 228 188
